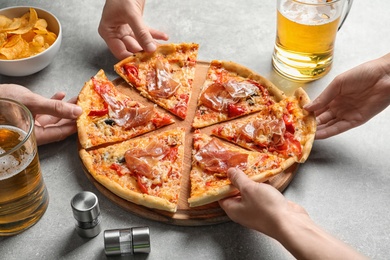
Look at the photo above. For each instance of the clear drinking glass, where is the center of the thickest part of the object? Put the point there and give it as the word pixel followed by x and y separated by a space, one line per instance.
pixel 306 34
pixel 23 194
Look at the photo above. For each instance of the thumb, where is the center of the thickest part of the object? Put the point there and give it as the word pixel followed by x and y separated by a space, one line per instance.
pixel 238 177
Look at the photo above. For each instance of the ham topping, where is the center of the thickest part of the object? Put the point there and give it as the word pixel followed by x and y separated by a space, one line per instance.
pixel 264 132
pixel 122 115
pixel 218 96
pixel 160 81
pixel 215 158
pixel 141 160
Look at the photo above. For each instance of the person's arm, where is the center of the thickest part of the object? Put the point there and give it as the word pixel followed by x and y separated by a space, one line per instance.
pixel 261 207
pixel 54 119
pixel 123 29
pixel 353 98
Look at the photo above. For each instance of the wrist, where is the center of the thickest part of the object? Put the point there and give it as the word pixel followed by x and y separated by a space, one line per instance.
pixel 305 240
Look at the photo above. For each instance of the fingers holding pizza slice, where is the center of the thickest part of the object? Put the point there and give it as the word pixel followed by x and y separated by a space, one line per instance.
pixel 164 76
pixel 211 158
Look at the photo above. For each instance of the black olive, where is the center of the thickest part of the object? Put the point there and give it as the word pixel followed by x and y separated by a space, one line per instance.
pixel 109 121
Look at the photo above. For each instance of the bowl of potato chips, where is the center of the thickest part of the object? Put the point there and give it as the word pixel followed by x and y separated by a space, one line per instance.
pixel 30 38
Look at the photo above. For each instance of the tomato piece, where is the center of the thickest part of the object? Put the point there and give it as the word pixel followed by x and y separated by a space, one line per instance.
pixel 161 121
pixel 290 145
pixel 181 107
pixel 234 110
pixel 171 155
pixel 131 73
pixel 120 170
pixel 101 87
pixel 101 112
pixel 289 123
pixel 142 186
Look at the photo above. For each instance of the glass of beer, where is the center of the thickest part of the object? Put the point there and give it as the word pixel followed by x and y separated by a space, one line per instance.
pixel 305 38
pixel 23 194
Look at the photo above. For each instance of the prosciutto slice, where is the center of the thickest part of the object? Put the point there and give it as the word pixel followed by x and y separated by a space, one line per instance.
pixel 141 160
pixel 264 132
pixel 122 115
pixel 215 158
pixel 160 81
pixel 219 95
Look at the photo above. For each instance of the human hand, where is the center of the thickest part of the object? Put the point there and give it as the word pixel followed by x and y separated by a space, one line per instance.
pixel 54 119
pixel 352 98
pixel 123 29
pixel 259 206
pixel 263 208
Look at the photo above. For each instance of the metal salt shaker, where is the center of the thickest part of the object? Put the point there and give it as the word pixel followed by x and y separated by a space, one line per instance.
pixel 127 241
pixel 86 211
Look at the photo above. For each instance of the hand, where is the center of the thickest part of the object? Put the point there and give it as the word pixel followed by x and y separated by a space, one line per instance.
pixel 54 119
pixel 352 98
pixel 259 206
pixel 122 28
pixel 263 208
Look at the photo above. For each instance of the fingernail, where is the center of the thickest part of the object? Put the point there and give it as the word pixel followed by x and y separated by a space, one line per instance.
pixel 150 47
pixel 77 111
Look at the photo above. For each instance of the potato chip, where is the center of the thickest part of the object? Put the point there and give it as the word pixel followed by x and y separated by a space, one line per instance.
pixel 4 22
pixel 15 48
pixel 24 36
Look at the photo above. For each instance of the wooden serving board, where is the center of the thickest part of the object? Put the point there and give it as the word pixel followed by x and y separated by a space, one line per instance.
pixel 184 216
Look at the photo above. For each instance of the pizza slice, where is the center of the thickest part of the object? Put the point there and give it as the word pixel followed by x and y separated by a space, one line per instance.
pixel 165 76
pixel 211 158
pixel 110 116
pixel 230 91
pixel 144 170
pixel 285 129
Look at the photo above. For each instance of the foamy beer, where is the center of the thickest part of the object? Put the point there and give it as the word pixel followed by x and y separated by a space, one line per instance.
pixel 306 34
pixel 23 194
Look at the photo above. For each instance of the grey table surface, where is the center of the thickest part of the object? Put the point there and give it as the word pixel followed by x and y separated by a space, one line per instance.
pixel 344 185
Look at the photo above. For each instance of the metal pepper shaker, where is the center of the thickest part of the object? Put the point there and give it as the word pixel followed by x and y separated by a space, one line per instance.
pixel 127 241
pixel 86 211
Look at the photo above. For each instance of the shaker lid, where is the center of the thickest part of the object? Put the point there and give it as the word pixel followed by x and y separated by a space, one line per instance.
pixel 85 206
pixel 141 240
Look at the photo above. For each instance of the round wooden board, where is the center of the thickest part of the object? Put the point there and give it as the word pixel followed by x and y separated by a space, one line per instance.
pixel 184 216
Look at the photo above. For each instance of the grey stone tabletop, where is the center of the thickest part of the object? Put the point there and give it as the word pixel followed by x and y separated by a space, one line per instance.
pixel 344 185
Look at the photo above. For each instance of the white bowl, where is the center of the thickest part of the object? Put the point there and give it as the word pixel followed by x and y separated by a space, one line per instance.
pixel 33 64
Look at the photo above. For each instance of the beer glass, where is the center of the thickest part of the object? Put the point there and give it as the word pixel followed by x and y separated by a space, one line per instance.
pixel 305 38
pixel 23 194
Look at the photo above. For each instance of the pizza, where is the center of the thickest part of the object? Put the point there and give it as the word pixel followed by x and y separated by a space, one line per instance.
pixel 231 90
pixel 144 170
pixel 110 116
pixel 164 76
pixel 284 129
pixel 211 158
pixel 141 152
